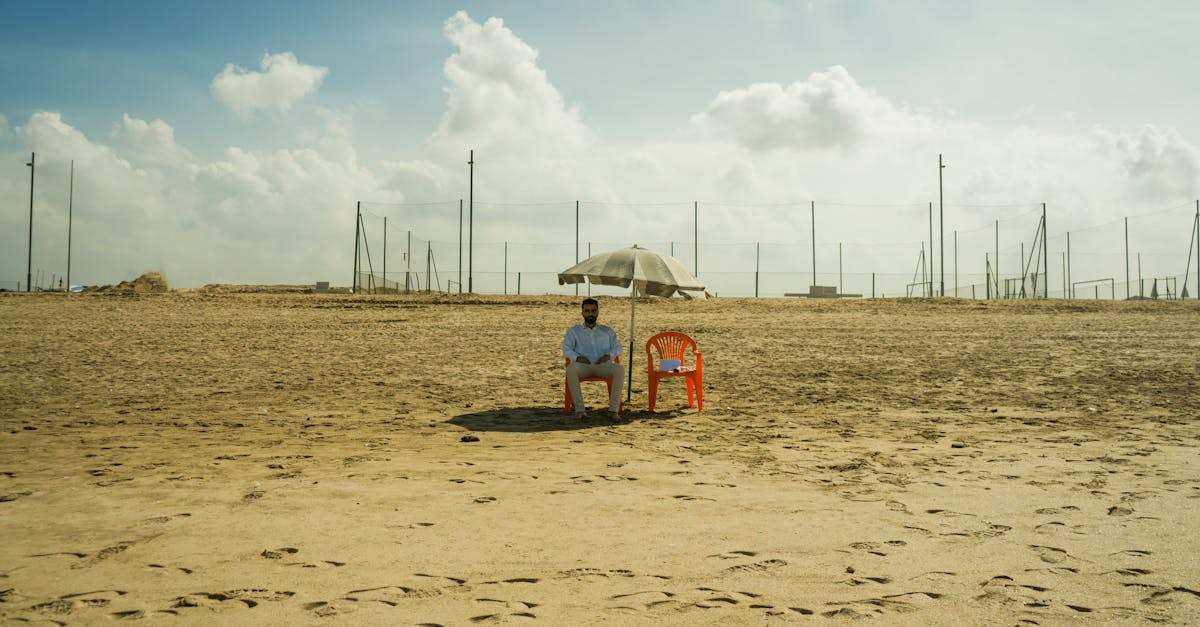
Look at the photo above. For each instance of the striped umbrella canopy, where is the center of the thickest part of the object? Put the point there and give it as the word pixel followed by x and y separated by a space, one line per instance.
pixel 642 270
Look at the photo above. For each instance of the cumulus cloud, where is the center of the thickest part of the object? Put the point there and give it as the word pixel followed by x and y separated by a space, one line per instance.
pixel 150 142
pixel 282 81
pixel 828 110
pixel 1160 165
pixel 150 204
pixel 498 96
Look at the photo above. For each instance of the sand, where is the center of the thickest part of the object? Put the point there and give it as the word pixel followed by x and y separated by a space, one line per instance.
pixel 223 456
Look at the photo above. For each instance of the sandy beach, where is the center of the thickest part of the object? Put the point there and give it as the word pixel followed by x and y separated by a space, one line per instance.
pixel 241 456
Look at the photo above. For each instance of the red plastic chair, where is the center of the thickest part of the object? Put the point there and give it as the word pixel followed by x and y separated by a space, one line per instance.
pixel 568 403
pixel 673 345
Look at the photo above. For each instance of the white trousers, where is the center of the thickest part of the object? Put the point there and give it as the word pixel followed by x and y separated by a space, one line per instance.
pixel 607 370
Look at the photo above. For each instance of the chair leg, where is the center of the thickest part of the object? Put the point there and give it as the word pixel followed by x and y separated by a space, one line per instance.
pixel 691 392
pixel 699 392
pixel 652 386
pixel 568 404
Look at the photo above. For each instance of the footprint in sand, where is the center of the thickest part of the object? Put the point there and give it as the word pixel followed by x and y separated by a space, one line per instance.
pixel 595 572
pixel 105 553
pixel 166 519
pixel 506 609
pixel 186 571
pixel 249 597
pixel 877 548
pixel 274 554
pixel 12 496
pixel 877 606
pixel 756 567
pixel 729 555
pixel 1050 554
pixel 68 603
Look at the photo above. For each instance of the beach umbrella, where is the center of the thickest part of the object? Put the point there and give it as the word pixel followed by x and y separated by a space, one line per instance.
pixel 644 272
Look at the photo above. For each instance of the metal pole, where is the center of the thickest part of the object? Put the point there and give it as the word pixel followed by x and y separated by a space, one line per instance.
pixel 429 267
pixel 506 268
pixel 931 259
pixel 407 265
pixel 996 272
pixel 757 248
pixel 29 262
pixel 629 366
pixel 471 227
pixel 577 242
pixel 987 280
pixel 941 229
pixel 956 263
pixel 385 260
pixel 460 216
pixel 1198 250
pixel 841 290
pixel 70 220
pixel 696 237
pixel 1045 255
pixel 357 222
pixel 1126 260
pixel 1071 293
pixel 812 207
pixel 1141 281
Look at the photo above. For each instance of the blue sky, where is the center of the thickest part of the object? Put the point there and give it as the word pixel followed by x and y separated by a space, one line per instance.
pixel 229 141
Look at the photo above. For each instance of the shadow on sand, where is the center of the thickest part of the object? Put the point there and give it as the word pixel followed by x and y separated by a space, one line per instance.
pixel 536 419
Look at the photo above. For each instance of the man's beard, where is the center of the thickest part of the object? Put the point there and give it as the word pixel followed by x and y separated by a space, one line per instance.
pixel 590 320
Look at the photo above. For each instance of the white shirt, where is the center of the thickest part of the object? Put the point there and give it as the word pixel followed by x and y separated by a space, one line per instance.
pixel 592 343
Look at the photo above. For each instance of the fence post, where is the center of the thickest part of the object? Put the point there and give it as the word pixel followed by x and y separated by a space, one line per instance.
pixel 357 223
pixel 757 248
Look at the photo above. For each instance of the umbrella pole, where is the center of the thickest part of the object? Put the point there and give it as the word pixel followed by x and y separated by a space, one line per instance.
pixel 629 367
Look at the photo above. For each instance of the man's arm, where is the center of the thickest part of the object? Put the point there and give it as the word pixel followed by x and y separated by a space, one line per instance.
pixel 568 344
pixel 614 345
pixel 570 341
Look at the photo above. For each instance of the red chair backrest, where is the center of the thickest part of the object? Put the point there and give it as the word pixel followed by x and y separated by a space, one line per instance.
pixel 670 345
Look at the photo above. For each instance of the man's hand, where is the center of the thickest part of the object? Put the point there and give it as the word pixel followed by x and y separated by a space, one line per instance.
pixel 583 360
pixel 603 359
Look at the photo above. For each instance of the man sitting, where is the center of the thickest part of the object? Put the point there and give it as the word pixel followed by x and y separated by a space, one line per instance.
pixel 591 348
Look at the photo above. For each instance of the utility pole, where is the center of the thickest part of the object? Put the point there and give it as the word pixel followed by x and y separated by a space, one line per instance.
pixel 70 219
pixel 1045 255
pixel 929 285
pixel 471 228
pixel 29 260
pixel 941 229
pixel 460 245
pixel 577 242
pixel 357 223
pixel 1127 294
pixel 812 208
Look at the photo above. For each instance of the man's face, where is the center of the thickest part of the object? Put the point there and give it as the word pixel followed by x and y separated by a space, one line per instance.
pixel 590 312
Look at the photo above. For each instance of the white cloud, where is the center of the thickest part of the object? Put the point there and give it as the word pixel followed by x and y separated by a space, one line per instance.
pixel 1160 165
pixel 282 81
pixel 498 97
pixel 828 110
pixel 150 142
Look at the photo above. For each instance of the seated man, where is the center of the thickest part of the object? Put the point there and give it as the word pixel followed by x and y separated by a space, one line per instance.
pixel 591 349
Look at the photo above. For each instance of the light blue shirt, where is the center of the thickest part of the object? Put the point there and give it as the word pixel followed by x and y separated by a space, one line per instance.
pixel 592 343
